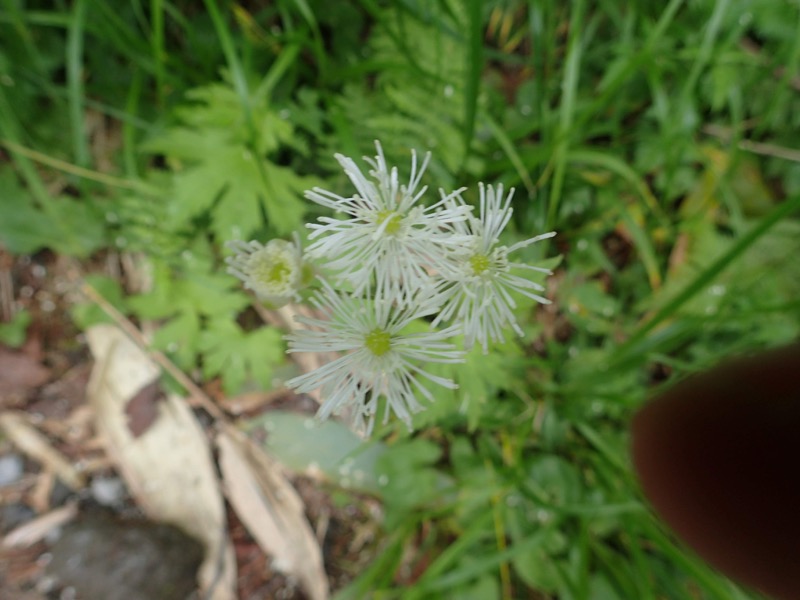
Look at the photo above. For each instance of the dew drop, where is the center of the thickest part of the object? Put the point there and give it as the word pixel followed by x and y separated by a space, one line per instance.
pixel 543 516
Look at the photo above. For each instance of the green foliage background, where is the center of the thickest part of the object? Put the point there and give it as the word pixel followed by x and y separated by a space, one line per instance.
pixel 656 138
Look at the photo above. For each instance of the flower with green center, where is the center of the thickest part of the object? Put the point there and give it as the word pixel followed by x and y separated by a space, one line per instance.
pixel 379 359
pixel 479 277
pixel 273 271
pixel 391 221
pixel 378 341
pixel 386 244
pixel 480 263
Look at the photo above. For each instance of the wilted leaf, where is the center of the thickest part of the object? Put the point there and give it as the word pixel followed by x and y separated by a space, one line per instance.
pixel 142 408
pixel 168 468
pixel 271 510
pixel 19 373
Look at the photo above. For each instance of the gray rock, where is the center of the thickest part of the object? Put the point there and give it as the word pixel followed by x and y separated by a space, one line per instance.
pixel 102 556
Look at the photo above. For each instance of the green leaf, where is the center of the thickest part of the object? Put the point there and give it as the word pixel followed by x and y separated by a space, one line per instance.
pixel 238 356
pixel 84 227
pixel 179 338
pixel 184 144
pixel 304 444
pixel 478 379
pixel 535 564
pixel 556 479
pixel 23 229
pixel 15 332
pixel 207 294
pixel 410 478
pixel 88 314
pixel 75 228
pixel 223 168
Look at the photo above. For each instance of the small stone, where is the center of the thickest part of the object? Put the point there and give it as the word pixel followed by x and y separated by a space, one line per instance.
pixel 107 491
pixel 11 469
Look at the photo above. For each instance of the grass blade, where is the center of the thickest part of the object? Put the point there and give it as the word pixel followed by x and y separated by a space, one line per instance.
pixel 474 70
pixel 632 346
pixel 75 93
pixel 157 44
pixel 567 112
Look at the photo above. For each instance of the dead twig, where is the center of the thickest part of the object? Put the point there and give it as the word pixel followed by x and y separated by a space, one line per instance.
pixel 28 439
pixel 37 529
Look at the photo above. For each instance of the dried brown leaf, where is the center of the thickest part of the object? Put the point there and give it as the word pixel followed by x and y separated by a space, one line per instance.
pixel 271 510
pixel 19 374
pixel 168 467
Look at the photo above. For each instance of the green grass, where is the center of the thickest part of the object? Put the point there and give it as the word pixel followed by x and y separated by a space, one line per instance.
pixel 676 245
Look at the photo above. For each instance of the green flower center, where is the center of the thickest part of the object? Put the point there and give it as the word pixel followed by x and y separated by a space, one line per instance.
pixel 269 271
pixel 393 221
pixel 480 263
pixel 378 341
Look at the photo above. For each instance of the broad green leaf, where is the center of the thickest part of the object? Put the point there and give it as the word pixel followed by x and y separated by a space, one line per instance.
pixel 238 356
pixel 179 338
pixel 411 481
pixel 86 314
pixel 75 227
pixel 306 445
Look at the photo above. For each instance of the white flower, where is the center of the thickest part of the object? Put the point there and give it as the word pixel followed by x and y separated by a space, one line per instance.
pixel 480 276
pixel 379 359
pixel 273 271
pixel 385 239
